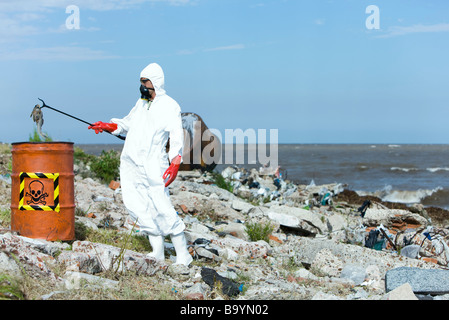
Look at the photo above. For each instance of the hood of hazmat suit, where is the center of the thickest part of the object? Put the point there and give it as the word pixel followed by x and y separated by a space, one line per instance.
pixel 144 159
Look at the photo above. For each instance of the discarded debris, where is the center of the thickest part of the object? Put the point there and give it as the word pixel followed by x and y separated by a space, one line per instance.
pixel 366 204
pixel 212 278
pixel 38 117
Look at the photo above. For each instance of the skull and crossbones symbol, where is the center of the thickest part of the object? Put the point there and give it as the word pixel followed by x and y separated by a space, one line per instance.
pixel 37 193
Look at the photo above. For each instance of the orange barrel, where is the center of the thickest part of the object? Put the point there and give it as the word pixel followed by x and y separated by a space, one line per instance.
pixel 42 190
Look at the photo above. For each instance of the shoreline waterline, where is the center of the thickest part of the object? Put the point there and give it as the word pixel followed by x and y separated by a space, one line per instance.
pixel 402 173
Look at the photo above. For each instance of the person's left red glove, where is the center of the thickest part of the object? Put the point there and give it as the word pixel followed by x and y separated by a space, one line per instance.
pixel 172 170
pixel 100 126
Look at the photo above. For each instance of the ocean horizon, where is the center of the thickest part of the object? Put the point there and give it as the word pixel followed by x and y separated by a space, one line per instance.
pixel 405 173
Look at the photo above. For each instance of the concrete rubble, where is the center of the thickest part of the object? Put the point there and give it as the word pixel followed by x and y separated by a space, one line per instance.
pixel 317 248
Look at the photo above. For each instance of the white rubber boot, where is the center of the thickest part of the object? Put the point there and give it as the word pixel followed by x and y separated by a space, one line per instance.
pixel 157 243
pixel 182 254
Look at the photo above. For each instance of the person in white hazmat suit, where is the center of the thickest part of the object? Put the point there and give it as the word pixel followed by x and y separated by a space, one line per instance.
pixel 145 172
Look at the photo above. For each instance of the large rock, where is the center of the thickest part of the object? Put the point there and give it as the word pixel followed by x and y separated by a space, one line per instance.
pixel 235 229
pixel 354 272
pixel 93 257
pixel 327 263
pixel 241 205
pixel 305 221
pixel 258 249
pixel 9 266
pixel 403 292
pixel 305 249
pixel 35 263
pixel 75 280
pixel 422 281
pixel 204 189
pixel 393 218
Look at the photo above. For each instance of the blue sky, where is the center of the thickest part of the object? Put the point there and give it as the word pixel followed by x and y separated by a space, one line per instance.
pixel 309 68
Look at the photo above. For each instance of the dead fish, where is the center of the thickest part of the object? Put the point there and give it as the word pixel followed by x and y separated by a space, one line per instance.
pixel 38 117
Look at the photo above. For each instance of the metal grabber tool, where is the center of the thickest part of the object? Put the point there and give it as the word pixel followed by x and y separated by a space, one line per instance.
pixel 66 114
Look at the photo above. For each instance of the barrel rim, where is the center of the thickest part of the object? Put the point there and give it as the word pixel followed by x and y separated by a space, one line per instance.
pixel 44 142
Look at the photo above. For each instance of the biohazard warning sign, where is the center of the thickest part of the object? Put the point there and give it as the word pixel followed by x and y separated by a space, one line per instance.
pixel 39 191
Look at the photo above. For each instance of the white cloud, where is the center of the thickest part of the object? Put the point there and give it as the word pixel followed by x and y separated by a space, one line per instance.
pixel 28 16
pixel 419 28
pixel 17 26
pixel 257 5
pixel 56 54
pixel 21 19
pixel 24 17
pixel 97 5
pixel 231 47
pixel 185 52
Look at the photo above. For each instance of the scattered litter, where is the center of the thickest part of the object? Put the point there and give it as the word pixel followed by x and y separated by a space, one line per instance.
pixel 372 241
pixel 411 251
pixel 366 204
pixel 101 198
pixel 212 278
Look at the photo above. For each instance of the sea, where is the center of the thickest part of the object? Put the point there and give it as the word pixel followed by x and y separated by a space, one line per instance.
pixel 404 173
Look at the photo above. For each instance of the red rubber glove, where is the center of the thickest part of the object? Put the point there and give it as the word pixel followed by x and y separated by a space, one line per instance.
pixel 100 126
pixel 172 171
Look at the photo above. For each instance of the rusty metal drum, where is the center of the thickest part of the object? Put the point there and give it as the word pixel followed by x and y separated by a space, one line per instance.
pixel 42 190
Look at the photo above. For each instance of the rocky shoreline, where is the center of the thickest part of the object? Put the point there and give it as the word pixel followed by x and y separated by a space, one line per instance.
pixel 319 244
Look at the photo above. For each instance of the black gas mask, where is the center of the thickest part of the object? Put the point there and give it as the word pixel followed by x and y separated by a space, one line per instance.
pixel 145 92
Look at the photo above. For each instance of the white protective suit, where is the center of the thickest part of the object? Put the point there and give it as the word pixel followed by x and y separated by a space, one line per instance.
pixel 144 158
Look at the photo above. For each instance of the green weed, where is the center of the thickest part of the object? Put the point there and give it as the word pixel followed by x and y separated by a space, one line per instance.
pixel 9 288
pixel 106 166
pixel 5 217
pixel 258 231
pixel 135 242
pixel 221 182
pixel 35 137
pixel 80 156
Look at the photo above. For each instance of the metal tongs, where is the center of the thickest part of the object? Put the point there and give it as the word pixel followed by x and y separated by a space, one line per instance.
pixel 66 114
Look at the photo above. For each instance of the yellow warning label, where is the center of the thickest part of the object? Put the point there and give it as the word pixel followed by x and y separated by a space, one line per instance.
pixel 39 191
